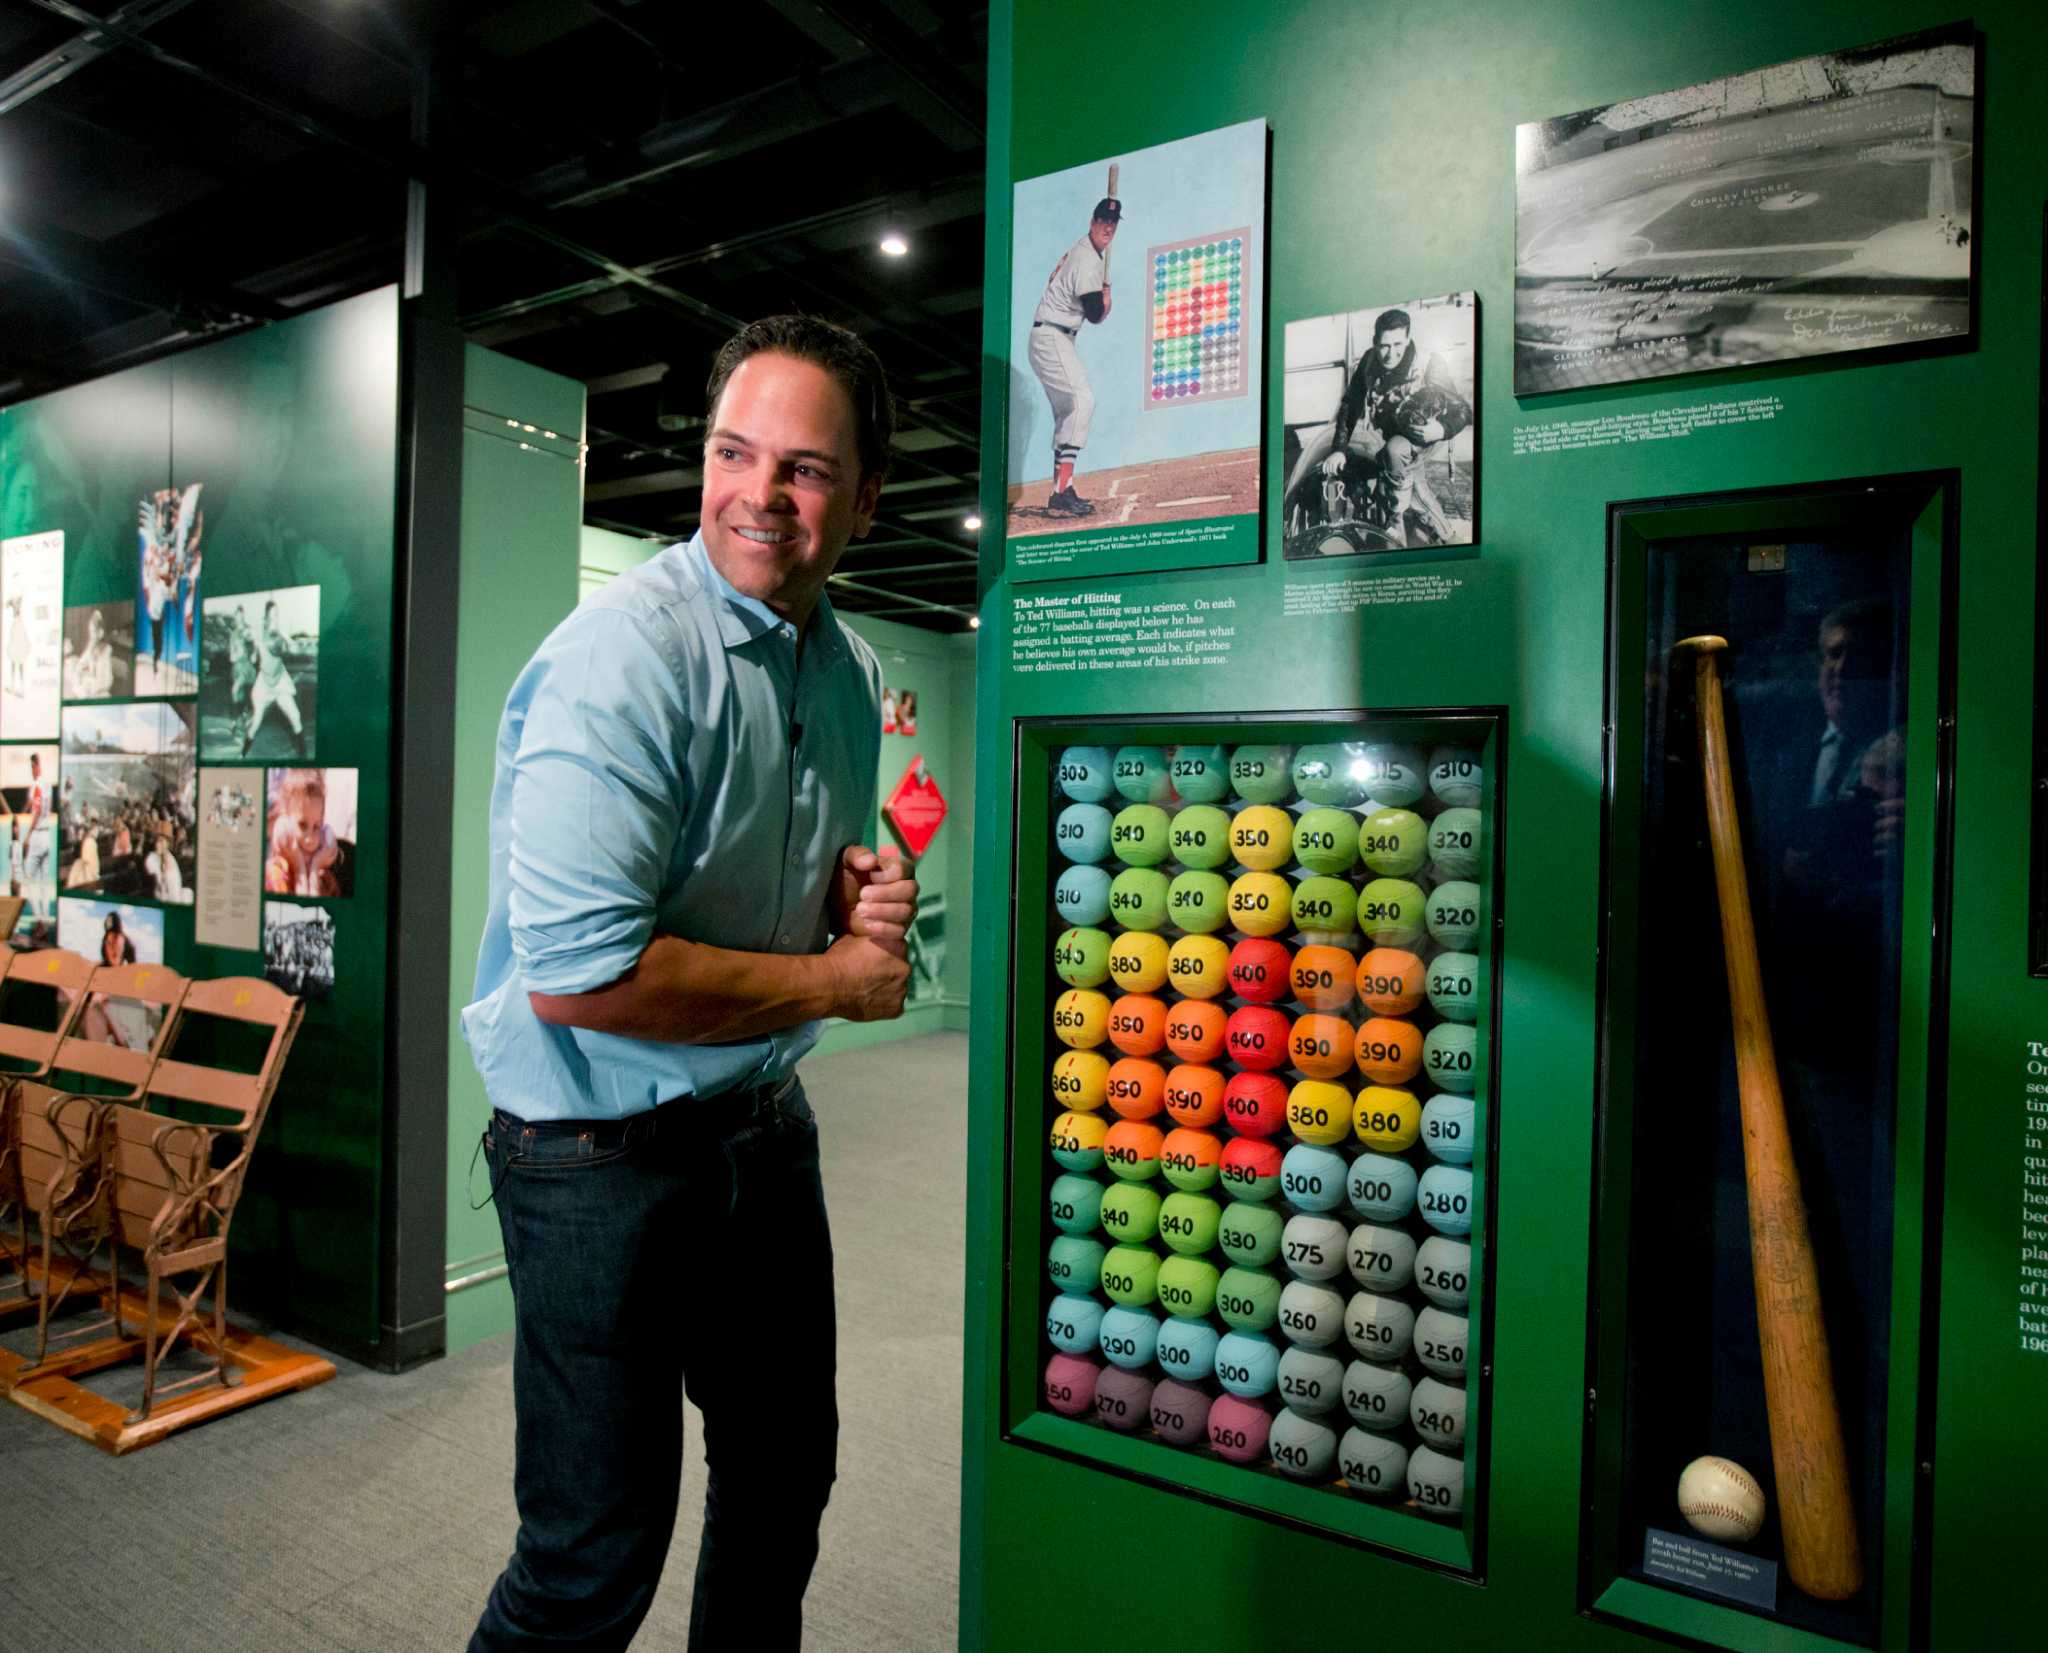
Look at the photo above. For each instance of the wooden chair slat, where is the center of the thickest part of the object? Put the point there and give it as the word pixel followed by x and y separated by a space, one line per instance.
pixel 102 1061
pixel 212 1087
pixel 151 983
pixel 241 998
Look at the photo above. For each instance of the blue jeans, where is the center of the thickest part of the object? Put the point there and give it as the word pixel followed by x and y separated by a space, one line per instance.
pixel 683 1250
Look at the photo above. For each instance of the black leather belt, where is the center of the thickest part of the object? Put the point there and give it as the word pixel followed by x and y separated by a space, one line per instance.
pixel 683 1115
pixel 1071 332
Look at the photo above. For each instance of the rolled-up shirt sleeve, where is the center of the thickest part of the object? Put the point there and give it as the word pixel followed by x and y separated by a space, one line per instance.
pixel 598 801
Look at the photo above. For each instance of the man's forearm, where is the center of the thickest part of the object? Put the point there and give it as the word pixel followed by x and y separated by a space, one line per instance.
pixel 685 992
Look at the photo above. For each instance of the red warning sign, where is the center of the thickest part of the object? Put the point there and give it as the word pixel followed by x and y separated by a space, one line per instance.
pixel 916 809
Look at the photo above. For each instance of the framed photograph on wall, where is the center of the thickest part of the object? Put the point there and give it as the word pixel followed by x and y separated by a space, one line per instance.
pixel 1810 208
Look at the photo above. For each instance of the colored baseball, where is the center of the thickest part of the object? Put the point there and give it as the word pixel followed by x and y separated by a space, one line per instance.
pixel 1248 1298
pixel 1250 1169
pixel 1441 1340
pixel 1186 1349
pixel 1137 898
pixel 1247 1364
pixel 1380 1328
pixel 1393 843
pixel 1137 1024
pixel 1312 1178
pixel 1082 895
pixel 1453 915
pixel 1388 1050
pixel 1193 1091
pixel 1311 1380
pixel 1381 1189
pixel 1130 1213
pixel 1443 1269
pixel 1259 774
pixel 1196 1030
pixel 1136 1087
pixel 1381 1257
pixel 1180 1412
pixel 1259 970
pixel 1137 961
pixel 1320 1045
pixel 1201 774
pixel 1318 1111
pixel 1311 1314
pixel 1130 1274
pixel 1447 1127
pixel 1188 1223
pixel 1301 1447
pixel 1080 1018
pixel 1261 838
pixel 1201 836
pixel 1073 1262
pixel 1332 774
pixel 1386 1118
pixel 1256 1037
pixel 1141 835
pixel 1190 1159
pixel 1123 1400
pixel 1075 1203
pixel 1393 774
pixel 1083 773
pixel 1070 1385
pixel 1324 909
pixel 1721 1500
pixel 1255 1104
pixel 1376 1396
pixel 1080 1080
pixel 1082 833
pixel 1131 1147
pixel 1141 775
pixel 1073 1323
pixel 1375 1466
pixel 1313 1246
pixel 1390 981
pixel 1198 966
pixel 1238 1429
pixel 1199 902
pixel 1450 1056
pixel 1445 1199
pixel 1454 844
pixel 1081 957
pixel 1454 986
pixel 1437 1409
pixel 1436 1481
pixel 1323 978
pixel 1077 1140
pixel 1390 912
pixel 1260 903
pixel 1326 840
pixel 1455 776
pixel 1128 1337
pixel 1187 1286
pixel 1250 1234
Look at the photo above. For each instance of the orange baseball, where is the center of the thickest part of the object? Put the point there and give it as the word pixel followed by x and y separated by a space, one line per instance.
pixel 1194 1030
pixel 1137 1024
pixel 1320 1046
pixel 1194 1094
pixel 1136 1087
pixel 1323 978
pixel 1391 981
pixel 1388 1050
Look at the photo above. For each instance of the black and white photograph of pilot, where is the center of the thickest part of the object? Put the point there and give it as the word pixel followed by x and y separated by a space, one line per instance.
pixel 1808 208
pixel 1381 410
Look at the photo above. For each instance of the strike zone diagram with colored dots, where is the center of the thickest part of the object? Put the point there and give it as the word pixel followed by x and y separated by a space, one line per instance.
pixel 1196 349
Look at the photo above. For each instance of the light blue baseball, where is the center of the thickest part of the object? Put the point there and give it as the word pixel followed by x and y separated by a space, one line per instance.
pixel 1082 833
pixel 1393 773
pixel 1247 1364
pixel 1082 895
pixel 1455 844
pixel 1201 774
pixel 1073 1263
pixel 1445 1199
pixel 1331 773
pixel 1312 1178
pixel 1381 1189
pixel 1450 1056
pixel 1140 774
pixel 1186 1349
pixel 1083 773
pixel 1447 1127
pixel 1076 1203
pixel 1128 1337
pixel 1456 776
pixel 1074 1323
pixel 1452 914
pixel 1452 982
pixel 1311 1380
pixel 1302 1448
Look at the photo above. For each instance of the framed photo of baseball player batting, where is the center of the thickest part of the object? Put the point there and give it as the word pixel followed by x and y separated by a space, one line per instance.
pixel 1804 209
pixel 1381 409
pixel 1134 418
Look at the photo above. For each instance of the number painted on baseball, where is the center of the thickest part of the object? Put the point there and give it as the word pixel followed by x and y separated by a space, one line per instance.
pixel 1721 1500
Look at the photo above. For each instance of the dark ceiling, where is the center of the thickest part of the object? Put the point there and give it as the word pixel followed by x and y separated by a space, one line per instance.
pixel 634 178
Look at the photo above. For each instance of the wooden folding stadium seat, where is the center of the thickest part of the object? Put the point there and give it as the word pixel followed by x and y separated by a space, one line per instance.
pixel 101 1063
pixel 177 1179
pixel 41 994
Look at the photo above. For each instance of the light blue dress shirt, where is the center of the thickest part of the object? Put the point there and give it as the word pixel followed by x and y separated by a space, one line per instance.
pixel 666 762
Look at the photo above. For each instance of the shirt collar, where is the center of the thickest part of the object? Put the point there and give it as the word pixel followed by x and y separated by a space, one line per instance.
pixel 741 618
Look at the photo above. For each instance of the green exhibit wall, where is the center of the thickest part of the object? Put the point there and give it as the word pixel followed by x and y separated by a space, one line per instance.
pixel 292 432
pixel 522 497
pixel 1392 176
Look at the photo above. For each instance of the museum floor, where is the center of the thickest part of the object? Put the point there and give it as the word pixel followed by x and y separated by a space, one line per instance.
pixel 373 1513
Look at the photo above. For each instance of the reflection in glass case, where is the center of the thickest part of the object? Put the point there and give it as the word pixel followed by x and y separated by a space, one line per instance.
pixel 1770 836
pixel 1261 1020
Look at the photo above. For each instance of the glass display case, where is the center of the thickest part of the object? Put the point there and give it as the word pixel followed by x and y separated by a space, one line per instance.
pixel 1252 1103
pixel 1773 856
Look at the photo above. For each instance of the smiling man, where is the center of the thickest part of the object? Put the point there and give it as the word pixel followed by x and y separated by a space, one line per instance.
pixel 678 900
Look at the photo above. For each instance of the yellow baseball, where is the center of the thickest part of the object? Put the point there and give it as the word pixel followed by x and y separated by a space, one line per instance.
pixel 1721 1500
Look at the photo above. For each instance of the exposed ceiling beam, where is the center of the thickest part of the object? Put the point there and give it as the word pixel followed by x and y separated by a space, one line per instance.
pixel 646 482
pixel 78 262
pixel 935 94
pixel 60 63
pixel 632 378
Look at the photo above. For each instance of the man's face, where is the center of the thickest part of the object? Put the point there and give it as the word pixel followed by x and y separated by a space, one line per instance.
pixel 783 489
pixel 1101 232
pixel 1835 643
pixel 1391 346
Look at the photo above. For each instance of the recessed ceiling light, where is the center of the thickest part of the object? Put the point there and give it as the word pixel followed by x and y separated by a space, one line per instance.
pixel 973 525
pixel 894 245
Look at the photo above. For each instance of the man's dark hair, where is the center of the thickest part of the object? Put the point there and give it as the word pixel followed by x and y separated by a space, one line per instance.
pixel 823 344
pixel 1388 321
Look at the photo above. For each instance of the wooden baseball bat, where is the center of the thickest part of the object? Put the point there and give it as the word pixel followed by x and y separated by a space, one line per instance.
pixel 1823 1556
pixel 1111 193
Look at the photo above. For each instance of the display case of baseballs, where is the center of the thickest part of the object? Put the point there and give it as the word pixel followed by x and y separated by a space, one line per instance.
pixel 1253 1059
pixel 1772 851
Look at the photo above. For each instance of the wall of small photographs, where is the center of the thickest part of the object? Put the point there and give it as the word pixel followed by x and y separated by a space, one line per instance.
pixel 191 553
